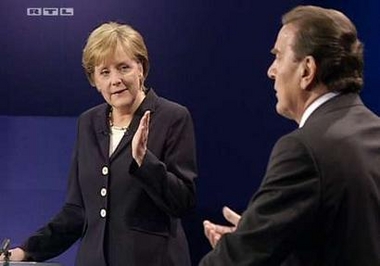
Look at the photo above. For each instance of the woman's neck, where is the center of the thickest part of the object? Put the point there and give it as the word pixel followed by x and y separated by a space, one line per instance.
pixel 122 117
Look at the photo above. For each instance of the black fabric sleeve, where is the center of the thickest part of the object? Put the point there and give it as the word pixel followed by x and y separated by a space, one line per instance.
pixel 57 236
pixel 278 215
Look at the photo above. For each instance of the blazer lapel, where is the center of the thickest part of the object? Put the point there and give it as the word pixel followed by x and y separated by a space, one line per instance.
pixel 341 101
pixel 102 131
pixel 127 138
pixel 149 103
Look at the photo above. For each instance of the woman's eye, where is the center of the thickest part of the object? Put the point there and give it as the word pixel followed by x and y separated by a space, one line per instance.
pixel 104 72
pixel 124 68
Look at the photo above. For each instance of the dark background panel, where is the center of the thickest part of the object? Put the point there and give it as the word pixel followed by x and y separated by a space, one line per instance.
pixel 35 158
pixel 211 56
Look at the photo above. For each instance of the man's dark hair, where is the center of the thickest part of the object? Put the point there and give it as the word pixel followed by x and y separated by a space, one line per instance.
pixel 331 38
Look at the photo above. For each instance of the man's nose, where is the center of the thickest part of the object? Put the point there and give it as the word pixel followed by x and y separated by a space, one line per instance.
pixel 271 72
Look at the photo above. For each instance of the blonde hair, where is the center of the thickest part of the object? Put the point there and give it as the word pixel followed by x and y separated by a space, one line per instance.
pixel 102 43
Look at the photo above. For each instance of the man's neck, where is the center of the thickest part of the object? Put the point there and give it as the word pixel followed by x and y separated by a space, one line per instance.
pixel 314 105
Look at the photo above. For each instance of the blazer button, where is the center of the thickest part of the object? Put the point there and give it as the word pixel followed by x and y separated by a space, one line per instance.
pixel 103 213
pixel 103 192
pixel 105 170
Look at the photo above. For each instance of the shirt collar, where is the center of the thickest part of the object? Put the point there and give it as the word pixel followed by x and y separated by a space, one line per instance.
pixel 314 105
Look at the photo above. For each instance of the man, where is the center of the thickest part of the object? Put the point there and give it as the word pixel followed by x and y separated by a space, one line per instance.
pixel 319 202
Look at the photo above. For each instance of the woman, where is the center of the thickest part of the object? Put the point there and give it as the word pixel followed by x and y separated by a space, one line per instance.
pixel 133 167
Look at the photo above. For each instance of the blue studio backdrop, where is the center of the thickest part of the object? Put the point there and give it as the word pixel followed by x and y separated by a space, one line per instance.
pixel 211 56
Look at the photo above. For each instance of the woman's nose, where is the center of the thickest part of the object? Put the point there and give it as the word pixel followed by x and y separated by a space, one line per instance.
pixel 116 78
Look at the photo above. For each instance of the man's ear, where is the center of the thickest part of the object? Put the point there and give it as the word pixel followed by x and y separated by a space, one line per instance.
pixel 309 68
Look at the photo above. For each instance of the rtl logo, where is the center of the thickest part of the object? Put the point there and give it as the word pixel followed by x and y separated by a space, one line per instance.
pixel 50 11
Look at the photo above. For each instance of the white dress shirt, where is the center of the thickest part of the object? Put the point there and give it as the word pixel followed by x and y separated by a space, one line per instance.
pixel 314 105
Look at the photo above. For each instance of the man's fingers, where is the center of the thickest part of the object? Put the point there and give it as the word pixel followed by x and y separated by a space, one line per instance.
pixel 206 228
pixel 215 240
pixel 231 216
pixel 209 232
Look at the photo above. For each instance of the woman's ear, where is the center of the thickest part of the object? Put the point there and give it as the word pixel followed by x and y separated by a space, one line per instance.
pixel 141 69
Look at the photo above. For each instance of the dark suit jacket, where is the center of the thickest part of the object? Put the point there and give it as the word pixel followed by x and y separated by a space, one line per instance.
pixel 319 202
pixel 141 205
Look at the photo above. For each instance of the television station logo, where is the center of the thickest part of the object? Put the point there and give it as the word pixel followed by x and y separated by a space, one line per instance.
pixel 50 11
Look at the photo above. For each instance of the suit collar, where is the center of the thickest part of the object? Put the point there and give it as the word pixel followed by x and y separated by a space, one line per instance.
pixel 341 101
pixel 314 105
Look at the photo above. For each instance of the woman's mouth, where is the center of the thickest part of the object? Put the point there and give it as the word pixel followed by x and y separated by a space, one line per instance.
pixel 119 91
